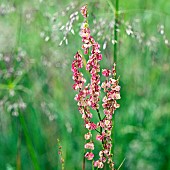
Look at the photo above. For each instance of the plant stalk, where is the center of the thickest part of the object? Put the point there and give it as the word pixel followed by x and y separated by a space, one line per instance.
pixel 84 161
pixel 115 60
pixel 29 143
pixel 116 14
pixel 100 120
pixel 18 158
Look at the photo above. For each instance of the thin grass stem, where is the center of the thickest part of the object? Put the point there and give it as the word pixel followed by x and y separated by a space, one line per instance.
pixel 115 32
pixel 115 51
pixel 29 143
pixel 18 158
pixel 121 164
pixel 84 161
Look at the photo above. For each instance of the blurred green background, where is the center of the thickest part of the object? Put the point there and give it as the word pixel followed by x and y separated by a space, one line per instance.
pixel 38 39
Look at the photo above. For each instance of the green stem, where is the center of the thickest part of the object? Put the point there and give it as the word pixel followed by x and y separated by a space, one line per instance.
pixel 115 61
pixel 115 31
pixel 99 115
pixel 18 40
pixel 84 160
pixel 100 120
pixel 111 5
pixel 97 130
pixel 121 163
pixel 18 159
pixel 105 167
pixel 29 143
pixel 92 165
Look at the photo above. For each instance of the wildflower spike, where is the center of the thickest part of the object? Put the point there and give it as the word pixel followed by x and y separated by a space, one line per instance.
pixel 88 96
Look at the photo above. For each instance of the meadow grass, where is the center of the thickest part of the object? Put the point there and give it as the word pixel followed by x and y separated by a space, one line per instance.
pixel 36 82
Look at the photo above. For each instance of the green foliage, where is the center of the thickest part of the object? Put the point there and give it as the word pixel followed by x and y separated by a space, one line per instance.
pixel 35 82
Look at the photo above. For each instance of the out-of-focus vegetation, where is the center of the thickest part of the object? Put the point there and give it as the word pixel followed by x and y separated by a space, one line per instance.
pixel 38 39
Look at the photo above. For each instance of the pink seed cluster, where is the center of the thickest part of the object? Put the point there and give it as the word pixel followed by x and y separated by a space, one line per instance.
pixel 88 96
